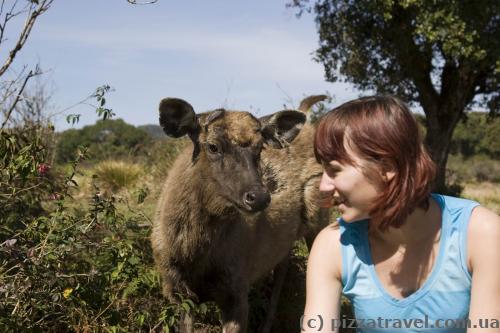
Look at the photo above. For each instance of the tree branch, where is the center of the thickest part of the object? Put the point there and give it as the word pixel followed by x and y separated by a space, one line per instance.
pixel 43 6
pixel 417 63
pixel 8 16
pixel 8 88
pixel 13 106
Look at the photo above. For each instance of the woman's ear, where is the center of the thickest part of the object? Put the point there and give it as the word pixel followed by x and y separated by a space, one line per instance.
pixel 388 176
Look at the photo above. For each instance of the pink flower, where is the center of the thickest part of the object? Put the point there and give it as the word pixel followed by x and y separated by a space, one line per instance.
pixel 43 169
pixel 54 196
pixel 31 252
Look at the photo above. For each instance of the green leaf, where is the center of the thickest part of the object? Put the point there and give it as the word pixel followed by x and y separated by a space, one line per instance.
pixel 186 307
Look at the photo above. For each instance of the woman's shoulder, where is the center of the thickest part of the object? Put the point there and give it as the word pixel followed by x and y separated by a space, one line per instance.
pixel 484 224
pixel 483 234
pixel 329 238
pixel 484 220
pixel 326 251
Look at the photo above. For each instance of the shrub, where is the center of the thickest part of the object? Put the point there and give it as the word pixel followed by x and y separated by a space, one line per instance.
pixel 26 179
pixel 82 269
pixel 478 168
pixel 477 134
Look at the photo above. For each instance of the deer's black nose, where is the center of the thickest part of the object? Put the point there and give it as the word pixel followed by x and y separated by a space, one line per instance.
pixel 257 200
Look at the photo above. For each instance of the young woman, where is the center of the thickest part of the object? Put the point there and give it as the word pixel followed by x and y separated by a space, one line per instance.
pixel 409 260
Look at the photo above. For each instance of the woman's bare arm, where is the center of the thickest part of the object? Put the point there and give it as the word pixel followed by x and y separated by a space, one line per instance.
pixel 323 283
pixel 484 261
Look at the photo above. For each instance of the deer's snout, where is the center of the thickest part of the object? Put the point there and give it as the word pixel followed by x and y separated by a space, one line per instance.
pixel 257 199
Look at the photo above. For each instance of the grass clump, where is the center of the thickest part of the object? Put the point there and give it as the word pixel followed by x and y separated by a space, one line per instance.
pixel 115 175
pixel 486 193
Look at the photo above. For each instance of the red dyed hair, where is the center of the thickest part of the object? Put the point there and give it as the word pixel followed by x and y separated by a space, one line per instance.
pixel 384 134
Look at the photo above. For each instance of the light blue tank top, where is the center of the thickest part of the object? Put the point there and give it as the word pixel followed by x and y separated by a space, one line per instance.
pixel 441 302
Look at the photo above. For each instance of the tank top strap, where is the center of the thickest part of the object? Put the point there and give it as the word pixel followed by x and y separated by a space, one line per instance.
pixel 356 278
pixel 456 213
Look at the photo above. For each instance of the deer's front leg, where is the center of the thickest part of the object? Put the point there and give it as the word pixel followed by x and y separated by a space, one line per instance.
pixel 234 308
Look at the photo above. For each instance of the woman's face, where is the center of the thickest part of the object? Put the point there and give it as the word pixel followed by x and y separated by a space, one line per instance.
pixel 351 190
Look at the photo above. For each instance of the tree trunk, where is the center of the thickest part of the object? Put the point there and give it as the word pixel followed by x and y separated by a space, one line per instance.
pixel 438 139
pixel 439 146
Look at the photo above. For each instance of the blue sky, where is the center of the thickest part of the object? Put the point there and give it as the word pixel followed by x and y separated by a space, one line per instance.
pixel 246 55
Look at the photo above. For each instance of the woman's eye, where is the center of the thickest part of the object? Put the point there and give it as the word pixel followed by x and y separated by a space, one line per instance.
pixel 331 171
pixel 213 148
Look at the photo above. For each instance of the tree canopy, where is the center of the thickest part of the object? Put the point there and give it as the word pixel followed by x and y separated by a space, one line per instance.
pixel 111 138
pixel 442 54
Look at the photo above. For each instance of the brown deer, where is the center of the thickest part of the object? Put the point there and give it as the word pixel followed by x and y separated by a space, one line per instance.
pixel 234 204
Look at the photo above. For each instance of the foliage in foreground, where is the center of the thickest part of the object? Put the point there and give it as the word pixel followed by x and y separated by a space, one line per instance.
pixel 80 269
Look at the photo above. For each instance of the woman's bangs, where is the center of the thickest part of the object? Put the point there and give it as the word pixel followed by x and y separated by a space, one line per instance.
pixel 329 140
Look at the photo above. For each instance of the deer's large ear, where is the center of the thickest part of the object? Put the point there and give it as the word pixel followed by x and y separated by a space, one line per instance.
pixel 177 117
pixel 280 128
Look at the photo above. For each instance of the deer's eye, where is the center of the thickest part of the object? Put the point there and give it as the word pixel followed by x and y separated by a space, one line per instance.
pixel 212 148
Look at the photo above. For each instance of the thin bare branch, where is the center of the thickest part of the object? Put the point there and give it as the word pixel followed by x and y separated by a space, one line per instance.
pixel 8 87
pixel 10 14
pixel 288 98
pixel 1 7
pixel 82 102
pixel 134 2
pixel 36 102
pixel 13 106
pixel 35 11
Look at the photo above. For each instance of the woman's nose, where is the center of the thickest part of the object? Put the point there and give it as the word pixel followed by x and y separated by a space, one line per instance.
pixel 326 184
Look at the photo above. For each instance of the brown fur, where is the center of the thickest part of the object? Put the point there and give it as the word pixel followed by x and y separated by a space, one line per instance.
pixel 204 246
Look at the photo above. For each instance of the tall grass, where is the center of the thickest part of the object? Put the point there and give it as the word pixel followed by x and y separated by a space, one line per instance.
pixel 115 175
pixel 479 177
pixel 486 193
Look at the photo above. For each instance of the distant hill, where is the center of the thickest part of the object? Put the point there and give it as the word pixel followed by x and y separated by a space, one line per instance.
pixel 154 131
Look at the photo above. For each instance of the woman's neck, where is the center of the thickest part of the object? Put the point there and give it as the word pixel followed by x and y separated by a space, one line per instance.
pixel 418 227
